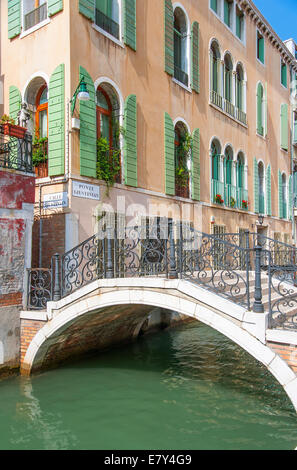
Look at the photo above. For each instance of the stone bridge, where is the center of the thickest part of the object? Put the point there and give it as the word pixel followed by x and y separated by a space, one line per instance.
pixel 94 311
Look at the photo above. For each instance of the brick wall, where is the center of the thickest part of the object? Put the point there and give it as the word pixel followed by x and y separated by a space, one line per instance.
pixel 29 328
pixel 286 352
pixel 53 239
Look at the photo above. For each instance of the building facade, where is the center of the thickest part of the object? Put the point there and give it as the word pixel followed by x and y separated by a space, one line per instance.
pixel 190 115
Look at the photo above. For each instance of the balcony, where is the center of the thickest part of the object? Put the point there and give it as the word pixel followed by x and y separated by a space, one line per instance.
pixel 217 192
pixel 230 196
pixel 35 16
pixel 181 76
pixel 15 152
pixel 228 108
pixel 242 199
pixel 108 24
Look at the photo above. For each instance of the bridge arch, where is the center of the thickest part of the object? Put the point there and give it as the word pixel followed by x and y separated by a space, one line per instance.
pixel 125 303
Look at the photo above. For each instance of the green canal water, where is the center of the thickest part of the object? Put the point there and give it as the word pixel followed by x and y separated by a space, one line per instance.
pixel 183 388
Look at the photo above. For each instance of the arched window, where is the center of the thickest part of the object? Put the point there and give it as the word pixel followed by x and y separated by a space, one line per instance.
pixel 41 116
pixel 228 67
pixel 239 87
pixel 107 16
pixel 182 147
pixel 260 109
pixel 217 186
pixel 36 97
pixel 242 195
pixel 230 189
pixel 261 188
pixel 108 133
pixel 215 68
pixel 181 38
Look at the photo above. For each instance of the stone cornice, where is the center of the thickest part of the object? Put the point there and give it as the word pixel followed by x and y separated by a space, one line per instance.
pixel 265 28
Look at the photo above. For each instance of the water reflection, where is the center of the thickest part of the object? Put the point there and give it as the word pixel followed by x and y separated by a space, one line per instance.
pixel 185 388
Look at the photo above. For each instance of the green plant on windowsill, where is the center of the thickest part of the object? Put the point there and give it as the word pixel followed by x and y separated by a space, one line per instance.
pixel 108 162
pixel 232 202
pixel 182 152
pixel 39 150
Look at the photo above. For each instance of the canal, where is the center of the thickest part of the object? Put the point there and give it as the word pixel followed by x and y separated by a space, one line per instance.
pixel 182 388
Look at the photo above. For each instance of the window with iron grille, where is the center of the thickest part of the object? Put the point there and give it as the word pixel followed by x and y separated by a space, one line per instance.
pixel 34 12
pixel 107 16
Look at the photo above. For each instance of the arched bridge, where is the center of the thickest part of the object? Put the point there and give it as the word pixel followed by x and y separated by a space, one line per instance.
pixel 101 292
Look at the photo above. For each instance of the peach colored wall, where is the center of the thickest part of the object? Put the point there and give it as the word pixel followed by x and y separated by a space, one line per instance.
pixel 70 38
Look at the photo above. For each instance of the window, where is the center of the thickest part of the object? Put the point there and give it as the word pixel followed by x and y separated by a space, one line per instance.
pixel 181 37
pixel 242 194
pixel 284 76
pixel 260 47
pixel 228 7
pixel 34 12
pixel 214 5
pixel 261 188
pixel 239 87
pixel 41 126
pixel 239 23
pixel 260 109
pixel 108 133
pixel 228 88
pixel 217 186
pixel 215 68
pixel 107 16
pixel 230 189
pixel 283 195
pixel 182 159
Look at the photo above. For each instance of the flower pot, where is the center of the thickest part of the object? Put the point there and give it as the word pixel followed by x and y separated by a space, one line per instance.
pixel 13 130
pixel 41 171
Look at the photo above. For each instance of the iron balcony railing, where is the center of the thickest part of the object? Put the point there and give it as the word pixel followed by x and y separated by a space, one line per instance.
pixel 16 153
pixel 217 192
pixel 107 23
pixel 181 76
pixel 35 16
pixel 228 107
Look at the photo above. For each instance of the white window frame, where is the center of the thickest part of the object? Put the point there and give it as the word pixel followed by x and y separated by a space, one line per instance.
pixel 35 27
pixel 120 41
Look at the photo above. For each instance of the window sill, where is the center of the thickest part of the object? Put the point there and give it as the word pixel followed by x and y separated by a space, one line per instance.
pixel 35 28
pixel 261 63
pixel 109 36
pixel 181 85
pixel 261 136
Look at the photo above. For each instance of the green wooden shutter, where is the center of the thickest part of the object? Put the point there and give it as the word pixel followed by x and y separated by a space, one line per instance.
pixel 168 44
pixel 14 18
pixel 54 6
pixel 15 100
pixel 130 141
pixel 196 165
pixel 88 129
pixel 195 57
pixel 130 23
pixel 261 51
pixel 268 190
pixel 280 195
pixel 169 155
pixel 256 186
pixel 87 8
pixel 260 128
pixel 284 127
pixel 290 197
pixel 265 117
pixel 56 122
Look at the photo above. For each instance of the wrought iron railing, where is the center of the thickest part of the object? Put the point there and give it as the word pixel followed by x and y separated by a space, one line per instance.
pixel 35 16
pixel 107 23
pixel 229 108
pixel 256 272
pixel 181 76
pixel 216 99
pixel 16 153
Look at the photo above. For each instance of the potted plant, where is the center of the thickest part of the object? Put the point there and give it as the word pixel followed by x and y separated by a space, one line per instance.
pixel 232 202
pixel 244 204
pixel 219 199
pixel 39 156
pixel 10 128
